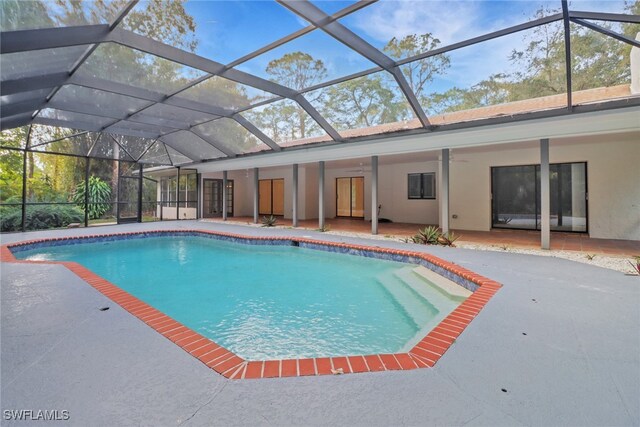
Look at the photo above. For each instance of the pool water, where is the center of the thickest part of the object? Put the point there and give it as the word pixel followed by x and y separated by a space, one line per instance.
pixel 264 302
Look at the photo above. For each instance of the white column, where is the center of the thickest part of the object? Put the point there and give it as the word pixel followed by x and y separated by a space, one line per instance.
pixel 321 195
pixel 545 196
pixel 224 195
pixel 374 194
pixel 256 194
pixel 444 191
pixel 294 198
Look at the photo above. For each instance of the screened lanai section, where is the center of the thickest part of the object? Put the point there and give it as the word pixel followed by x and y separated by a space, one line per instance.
pixel 107 108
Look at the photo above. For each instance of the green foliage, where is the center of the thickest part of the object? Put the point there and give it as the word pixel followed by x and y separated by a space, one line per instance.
pixel 10 175
pixel 427 236
pixel 635 264
pixel 362 102
pixel 432 235
pixel 40 217
pixel 288 120
pixel 297 70
pixel 269 221
pixel 419 73
pixel 99 197
pixel 324 228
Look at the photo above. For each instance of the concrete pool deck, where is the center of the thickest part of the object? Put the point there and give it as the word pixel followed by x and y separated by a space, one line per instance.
pixel 578 364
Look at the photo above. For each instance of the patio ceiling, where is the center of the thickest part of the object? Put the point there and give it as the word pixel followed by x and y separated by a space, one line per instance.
pixel 166 102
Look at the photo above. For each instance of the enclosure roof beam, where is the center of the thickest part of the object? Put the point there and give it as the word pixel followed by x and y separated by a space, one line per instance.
pixel 26 84
pixel 135 41
pixel 49 38
pixel 482 38
pixel 215 144
pixel 306 30
pixel 10 122
pixel 607 32
pixel 320 19
pixel 601 16
pixel 257 132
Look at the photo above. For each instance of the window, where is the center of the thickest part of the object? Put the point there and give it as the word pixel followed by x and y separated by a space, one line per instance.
pixel 186 192
pixel 422 185
pixel 515 197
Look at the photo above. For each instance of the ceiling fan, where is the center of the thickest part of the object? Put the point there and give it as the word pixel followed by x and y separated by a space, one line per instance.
pixel 360 169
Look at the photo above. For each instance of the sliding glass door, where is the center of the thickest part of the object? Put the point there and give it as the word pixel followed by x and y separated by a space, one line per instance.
pixel 515 192
pixel 350 197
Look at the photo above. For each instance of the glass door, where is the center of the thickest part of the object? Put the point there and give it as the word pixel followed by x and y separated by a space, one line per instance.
pixel 271 196
pixel 128 199
pixel 350 197
pixel 515 192
pixel 128 209
pixel 212 198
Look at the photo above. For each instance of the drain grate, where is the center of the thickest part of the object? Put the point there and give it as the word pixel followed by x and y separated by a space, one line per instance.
pixel 104 309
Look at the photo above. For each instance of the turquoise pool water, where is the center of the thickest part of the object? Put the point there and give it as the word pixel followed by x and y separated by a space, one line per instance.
pixel 264 302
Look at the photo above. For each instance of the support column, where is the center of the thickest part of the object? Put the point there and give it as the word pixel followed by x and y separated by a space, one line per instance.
pixel 444 191
pixel 374 194
pixel 256 194
pixel 545 196
pixel 294 217
pixel 177 196
pixel 140 183
pixel 321 195
pixel 86 191
pixel 23 221
pixel 224 195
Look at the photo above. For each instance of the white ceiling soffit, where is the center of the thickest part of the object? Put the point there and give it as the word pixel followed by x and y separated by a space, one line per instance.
pixel 601 122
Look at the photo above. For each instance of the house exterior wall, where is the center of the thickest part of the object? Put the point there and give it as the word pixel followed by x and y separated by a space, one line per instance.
pixel 394 198
pixel 613 177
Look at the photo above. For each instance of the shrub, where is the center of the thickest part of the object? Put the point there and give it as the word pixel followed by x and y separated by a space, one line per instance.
pixel 432 235
pixel 99 192
pixel 269 221
pixel 40 217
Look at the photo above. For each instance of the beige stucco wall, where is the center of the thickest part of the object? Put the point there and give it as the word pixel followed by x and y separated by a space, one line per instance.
pixel 613 179
pixel 393 194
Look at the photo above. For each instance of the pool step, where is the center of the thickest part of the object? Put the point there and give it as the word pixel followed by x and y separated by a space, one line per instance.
pixel 414 304
pixel 440 283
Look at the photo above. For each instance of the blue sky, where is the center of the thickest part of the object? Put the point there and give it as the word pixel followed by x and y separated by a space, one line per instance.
pixel 228 30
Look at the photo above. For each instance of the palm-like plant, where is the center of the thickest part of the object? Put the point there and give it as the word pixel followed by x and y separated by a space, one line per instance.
pixel 99 197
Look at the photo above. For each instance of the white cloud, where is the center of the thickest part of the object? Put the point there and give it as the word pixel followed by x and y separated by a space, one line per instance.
pixel 449 21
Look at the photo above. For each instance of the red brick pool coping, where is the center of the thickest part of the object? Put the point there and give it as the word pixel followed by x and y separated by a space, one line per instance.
pixel 424 354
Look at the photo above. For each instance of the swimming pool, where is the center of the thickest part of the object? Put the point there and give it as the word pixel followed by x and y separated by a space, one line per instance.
pixel 269 301
pixel 452 280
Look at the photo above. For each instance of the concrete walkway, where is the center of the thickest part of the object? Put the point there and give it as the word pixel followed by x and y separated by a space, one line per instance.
pixel 578 364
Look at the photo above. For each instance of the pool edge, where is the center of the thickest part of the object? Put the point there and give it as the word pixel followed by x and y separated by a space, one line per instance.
pixel 424 354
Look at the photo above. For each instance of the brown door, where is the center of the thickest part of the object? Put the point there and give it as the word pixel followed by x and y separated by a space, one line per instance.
pixel 343 196
pixel 271 195
pixel 357 197
pixel 350 197
pixel 277 196
pixel 264 207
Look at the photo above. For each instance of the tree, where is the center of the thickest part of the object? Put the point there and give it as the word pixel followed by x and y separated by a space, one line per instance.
pixel 99 197
pixel 20 15
pixel 296 70
pixel 11 163
pixel 361 102
pixel 419 73
pixel 596 60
